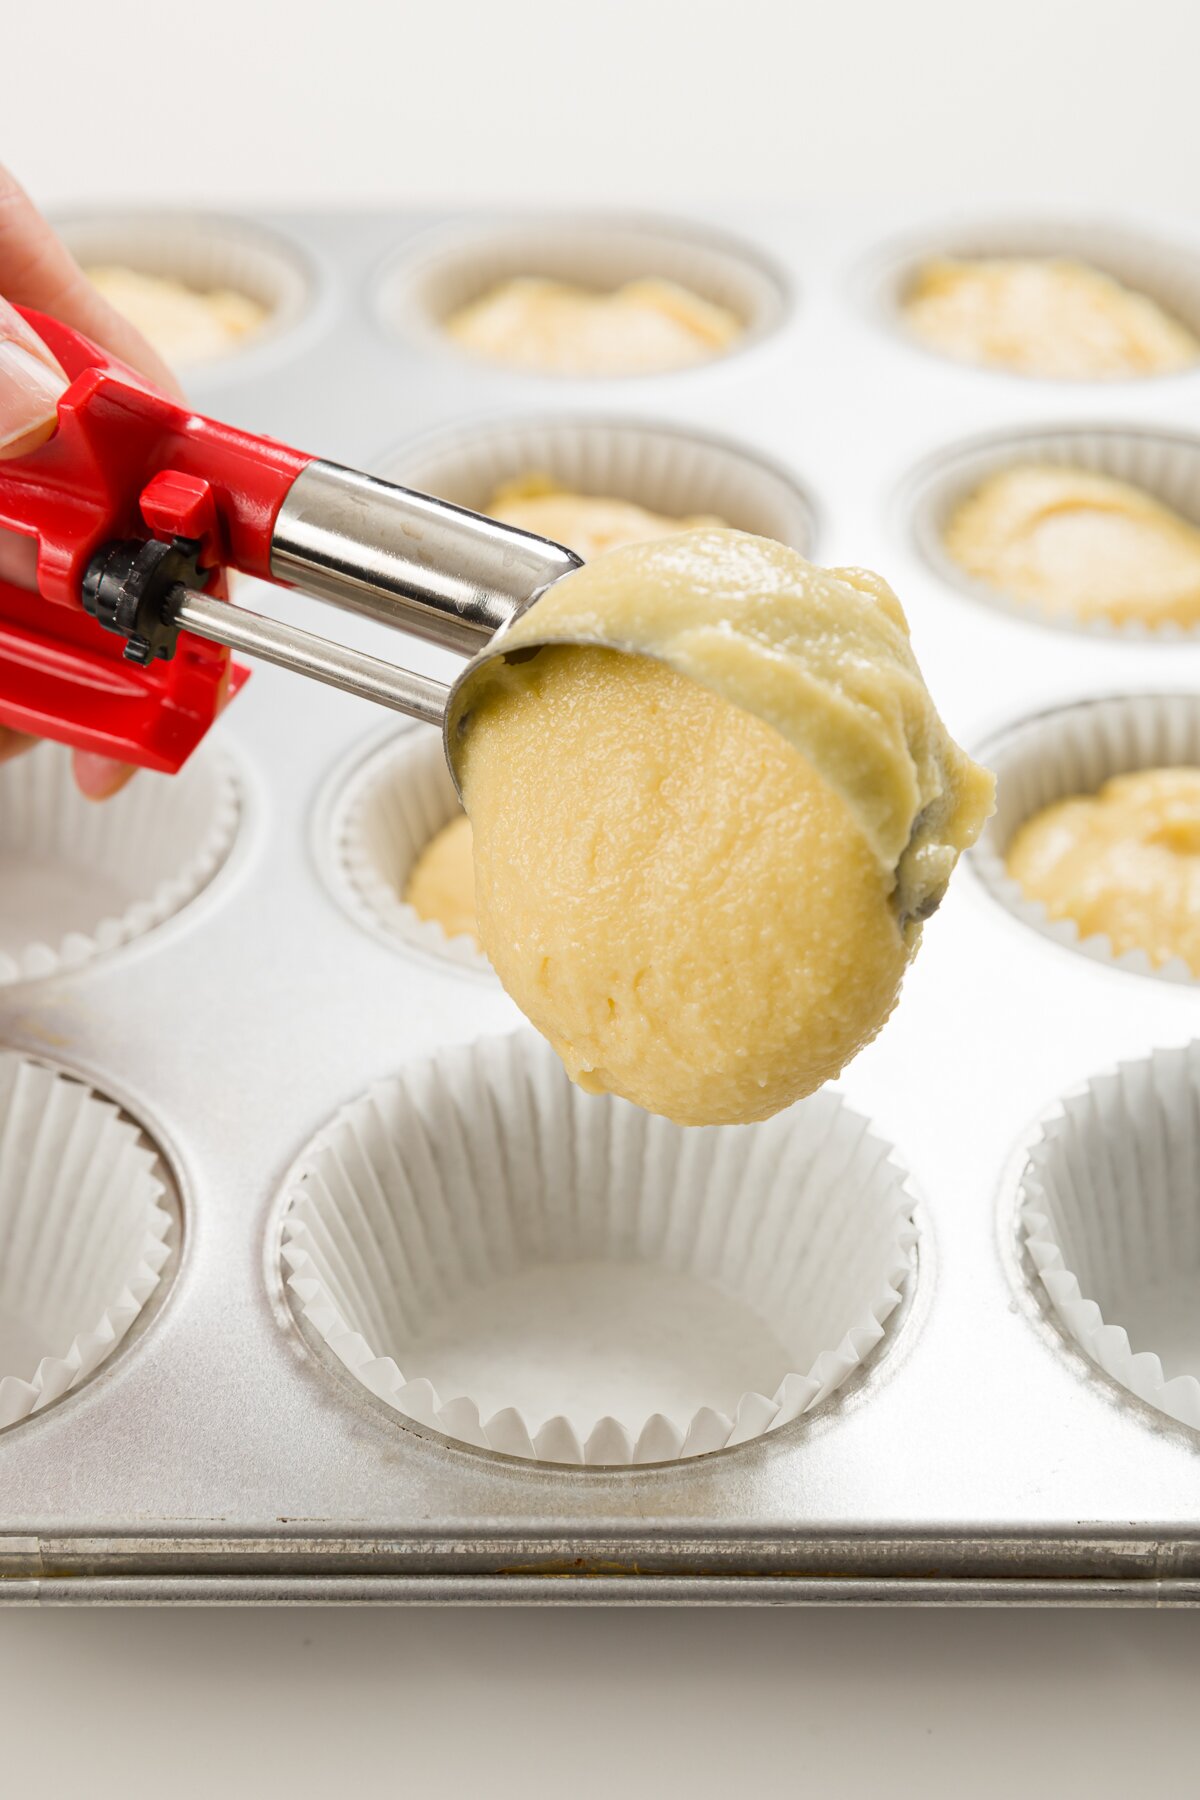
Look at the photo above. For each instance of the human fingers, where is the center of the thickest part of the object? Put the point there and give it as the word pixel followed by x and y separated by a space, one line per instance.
pixel 31 385
pixel 99 777
pixel 37 269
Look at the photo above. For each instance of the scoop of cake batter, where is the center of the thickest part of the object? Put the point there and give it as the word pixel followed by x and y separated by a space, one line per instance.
pixel 702 861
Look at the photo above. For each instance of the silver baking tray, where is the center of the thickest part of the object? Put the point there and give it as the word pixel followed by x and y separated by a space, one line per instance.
pixel 221 1456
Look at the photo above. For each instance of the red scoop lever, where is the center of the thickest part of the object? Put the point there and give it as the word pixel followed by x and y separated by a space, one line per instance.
pixel 138 505
pixel 126 462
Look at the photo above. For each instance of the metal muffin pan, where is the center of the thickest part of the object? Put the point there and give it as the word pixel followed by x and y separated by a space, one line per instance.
pixel 981 1457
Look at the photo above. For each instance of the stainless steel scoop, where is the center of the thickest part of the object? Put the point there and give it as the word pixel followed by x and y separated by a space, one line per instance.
pixel 427 568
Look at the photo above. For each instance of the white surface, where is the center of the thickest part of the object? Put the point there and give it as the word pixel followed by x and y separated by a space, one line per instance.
pixel 736 1705
pixel 643 100
pixel 654 101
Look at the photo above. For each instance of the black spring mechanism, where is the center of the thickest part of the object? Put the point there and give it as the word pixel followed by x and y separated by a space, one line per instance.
pixel 128 588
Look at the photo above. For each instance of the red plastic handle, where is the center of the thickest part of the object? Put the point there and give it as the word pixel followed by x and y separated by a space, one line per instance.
pixel 126 462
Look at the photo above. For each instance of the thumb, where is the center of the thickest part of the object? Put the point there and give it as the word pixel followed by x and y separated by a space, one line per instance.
pixel 31 385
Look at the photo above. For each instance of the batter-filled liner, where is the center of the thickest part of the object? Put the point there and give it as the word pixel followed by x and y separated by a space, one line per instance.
pixel 560 1276
pixel 1164 272
pixel 390 808
pixel 437 274
pixel 204 252
pixel 1164 464
pixel 1075 750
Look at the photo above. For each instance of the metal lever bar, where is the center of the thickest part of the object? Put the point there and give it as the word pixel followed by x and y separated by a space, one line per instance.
pixel 414 563
pixel 303 651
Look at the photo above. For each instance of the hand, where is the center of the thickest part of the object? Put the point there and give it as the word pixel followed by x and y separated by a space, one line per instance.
pixel 37 269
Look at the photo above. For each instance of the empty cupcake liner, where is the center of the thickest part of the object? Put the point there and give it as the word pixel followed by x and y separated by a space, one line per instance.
pixel 1164 464
pixel 560 1276
pixel 1166 272
pixel 661 467
pixel 1110 1217
pixel 79 878
pixel 430 279
pixel 382 816
pixel 1075 750
pixel 83 1232
pixel 203 251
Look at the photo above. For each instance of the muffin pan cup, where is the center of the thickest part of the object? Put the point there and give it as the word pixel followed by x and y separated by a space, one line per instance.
pixel 79 879
pixel 228 1453
pixel 206 252
pixel 435 275
pixel 1165 465
pixel 1075 750
pixel 1165 267
pixel 667 469
pixel 377 818
pixel 84 1231
pixel 1110 1214
pixel 559 1276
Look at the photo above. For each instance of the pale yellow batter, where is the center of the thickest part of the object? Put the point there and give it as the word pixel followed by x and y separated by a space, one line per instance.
pixel 441 886
pixel 556 328
pixel 587 523
pixel 183 325
pixel 1053 317
pixel 1079 545
pixel 701 870
pixel 1124 863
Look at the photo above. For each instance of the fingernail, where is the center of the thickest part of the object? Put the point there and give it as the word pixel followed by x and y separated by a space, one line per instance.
pixel 29 395
pixel 18 560
pixel 99 777
pixel 14 743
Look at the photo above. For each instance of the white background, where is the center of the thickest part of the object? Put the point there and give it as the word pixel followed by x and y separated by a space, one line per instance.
pixel 238 102
pixel 787 100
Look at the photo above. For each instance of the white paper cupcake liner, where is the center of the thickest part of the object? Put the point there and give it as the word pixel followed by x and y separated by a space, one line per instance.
pixel 1166 272
pixel 1110 1217
pixel 202 251
pixel 1164 464
pixel 444 270
pixel 664 468
pixel 1075 750
pixel 380 819
pixel 78 878
pixel 83 1229
pixel 563 1277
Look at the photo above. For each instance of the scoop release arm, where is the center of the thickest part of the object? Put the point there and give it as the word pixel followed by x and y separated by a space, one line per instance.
pixel 139 506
